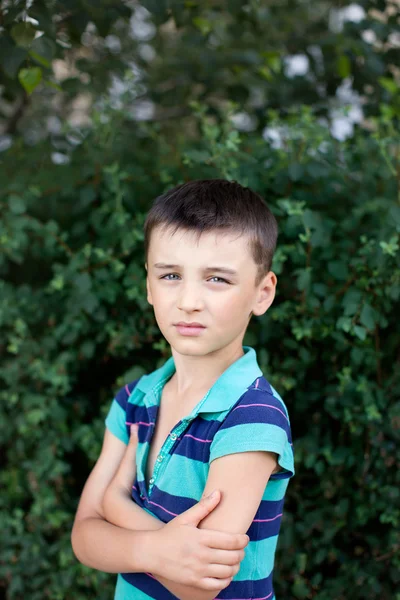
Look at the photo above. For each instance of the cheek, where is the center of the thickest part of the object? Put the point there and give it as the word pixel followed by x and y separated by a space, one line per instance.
pixel 233 307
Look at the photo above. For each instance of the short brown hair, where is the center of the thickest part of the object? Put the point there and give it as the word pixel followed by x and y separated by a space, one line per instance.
pixel 217 204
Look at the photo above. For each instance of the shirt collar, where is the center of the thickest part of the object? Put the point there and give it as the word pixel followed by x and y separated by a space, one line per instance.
pixel 222 395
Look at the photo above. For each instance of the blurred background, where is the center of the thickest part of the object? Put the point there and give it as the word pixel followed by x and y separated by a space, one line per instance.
pixel 103 106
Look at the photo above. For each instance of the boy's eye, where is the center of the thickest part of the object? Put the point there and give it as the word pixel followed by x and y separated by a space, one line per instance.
pixel 214 277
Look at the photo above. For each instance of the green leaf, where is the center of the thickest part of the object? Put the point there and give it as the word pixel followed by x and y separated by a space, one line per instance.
pixel 40 59
pixel 338 269
pixel 11 57
pixel 159 10
pixel 44 47
pixel 295 171
pixel 202 24
pixel 343 323
pixel 360 332
pixel 16 204
pixel 53 85
pixel 368 316
pixel 30 78
pixel 265 72
pixel 304 278
pixel 389 85
pixel 23 34
pixel 343 66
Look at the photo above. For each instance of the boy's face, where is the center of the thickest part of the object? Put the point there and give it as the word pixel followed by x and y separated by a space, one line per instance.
pixel 219 301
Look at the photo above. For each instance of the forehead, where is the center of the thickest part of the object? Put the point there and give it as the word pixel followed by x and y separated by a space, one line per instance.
pixel 190 245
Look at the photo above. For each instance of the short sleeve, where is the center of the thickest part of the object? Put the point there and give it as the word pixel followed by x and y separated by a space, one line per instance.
pixel 258 421
pixel 115 420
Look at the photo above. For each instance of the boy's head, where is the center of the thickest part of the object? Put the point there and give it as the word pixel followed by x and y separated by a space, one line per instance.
pixel 202 224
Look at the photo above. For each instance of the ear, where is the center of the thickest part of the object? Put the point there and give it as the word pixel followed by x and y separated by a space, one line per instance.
pixel 149 298
pixel 266 294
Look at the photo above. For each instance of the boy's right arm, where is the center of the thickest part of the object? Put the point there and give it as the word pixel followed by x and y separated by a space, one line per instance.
pixel 96 542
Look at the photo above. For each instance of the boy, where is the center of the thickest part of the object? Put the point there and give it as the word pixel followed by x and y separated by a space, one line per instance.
pixel 207 419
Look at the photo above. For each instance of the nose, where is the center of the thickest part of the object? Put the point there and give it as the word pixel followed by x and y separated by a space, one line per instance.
pixel 189 298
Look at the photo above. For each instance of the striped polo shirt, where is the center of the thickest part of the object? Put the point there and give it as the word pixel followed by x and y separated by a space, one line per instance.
pixel 241 412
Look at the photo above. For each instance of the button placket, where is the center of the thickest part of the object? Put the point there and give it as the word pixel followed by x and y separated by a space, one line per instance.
pixel 164 451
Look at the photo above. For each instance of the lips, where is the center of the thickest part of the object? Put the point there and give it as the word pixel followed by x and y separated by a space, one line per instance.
pixel 182 324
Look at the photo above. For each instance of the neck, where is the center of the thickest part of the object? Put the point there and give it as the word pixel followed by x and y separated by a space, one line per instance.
pixel 195 375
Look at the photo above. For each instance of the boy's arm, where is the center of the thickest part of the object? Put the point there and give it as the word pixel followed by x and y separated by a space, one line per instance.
pixel 102 545
pixel 242 478
pixel 120 509
pixel 118 506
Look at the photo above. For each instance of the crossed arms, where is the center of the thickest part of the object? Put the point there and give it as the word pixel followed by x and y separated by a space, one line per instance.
pixel 196 554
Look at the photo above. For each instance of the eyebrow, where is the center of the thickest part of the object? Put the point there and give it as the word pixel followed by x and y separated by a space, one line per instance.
pixel 206 269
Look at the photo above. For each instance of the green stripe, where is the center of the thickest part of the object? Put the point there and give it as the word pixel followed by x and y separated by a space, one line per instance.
pixel 180 479
pixel 275 489
pixel 126 591
pixel 115 422
pixel 265 557
pixel 252 437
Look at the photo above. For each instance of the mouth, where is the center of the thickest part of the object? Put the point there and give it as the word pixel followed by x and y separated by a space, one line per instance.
pixel 192 329
pixel 183 324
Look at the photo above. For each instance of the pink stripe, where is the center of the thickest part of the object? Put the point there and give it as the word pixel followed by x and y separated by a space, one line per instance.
pixel 252 598
pixel 195 438
pixel 134 487
pixel 127 390
pixel 159 505
pixel 257 383
pixel 139 423
pixel 266 520
pixel 266 406
pixel 150 575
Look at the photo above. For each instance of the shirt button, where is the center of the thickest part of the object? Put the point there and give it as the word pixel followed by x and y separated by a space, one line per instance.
pixel 173 436
pixel 151 480
pixel 160 457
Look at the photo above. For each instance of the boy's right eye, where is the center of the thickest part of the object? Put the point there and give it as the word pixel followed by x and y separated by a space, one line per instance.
pixel 167 275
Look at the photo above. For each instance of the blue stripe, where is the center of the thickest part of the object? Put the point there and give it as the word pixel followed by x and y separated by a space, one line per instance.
pixel 236 590
pixel 122 395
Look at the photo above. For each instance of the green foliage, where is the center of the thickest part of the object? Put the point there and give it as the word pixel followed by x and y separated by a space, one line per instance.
pixel 246 48
pixel 76 325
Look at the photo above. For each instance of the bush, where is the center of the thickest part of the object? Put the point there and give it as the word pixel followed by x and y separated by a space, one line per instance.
pixel 76 325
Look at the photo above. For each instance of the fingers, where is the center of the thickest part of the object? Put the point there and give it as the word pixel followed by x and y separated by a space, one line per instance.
pixel 222 571
pixel 213 584
pixel 225 557
pixel 126 472
pixel 199 511
pixel 225 541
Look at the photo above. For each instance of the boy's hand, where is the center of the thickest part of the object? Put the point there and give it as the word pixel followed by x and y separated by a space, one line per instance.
pixel 201 558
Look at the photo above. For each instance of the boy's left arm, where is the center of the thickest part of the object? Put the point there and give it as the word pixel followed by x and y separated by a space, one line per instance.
pixel 242 478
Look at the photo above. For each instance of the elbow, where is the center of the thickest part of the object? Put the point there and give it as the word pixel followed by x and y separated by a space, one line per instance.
pixel 76 542
pixel 80 540
pixel 199 594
